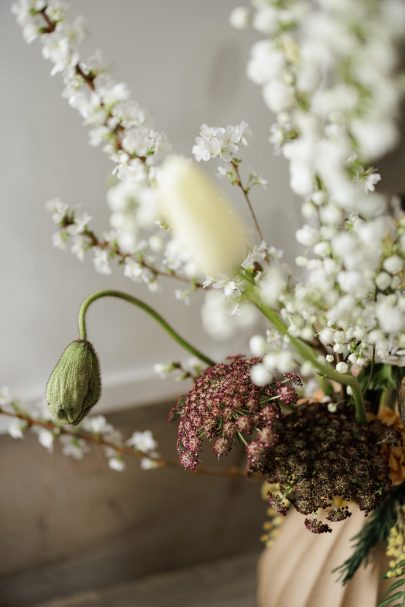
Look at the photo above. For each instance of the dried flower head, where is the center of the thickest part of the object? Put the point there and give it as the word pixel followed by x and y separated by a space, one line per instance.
pixel 225 405
pixel 323 460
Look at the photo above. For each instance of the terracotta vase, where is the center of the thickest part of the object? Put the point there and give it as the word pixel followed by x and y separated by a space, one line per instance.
pixel 296 571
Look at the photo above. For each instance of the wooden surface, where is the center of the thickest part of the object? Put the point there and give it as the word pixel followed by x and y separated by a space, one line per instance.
pixel 71 526
pixel 226 583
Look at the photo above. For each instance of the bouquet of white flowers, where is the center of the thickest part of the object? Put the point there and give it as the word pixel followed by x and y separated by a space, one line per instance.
pixel 318 404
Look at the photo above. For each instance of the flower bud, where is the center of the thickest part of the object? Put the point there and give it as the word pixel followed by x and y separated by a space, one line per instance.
pixel 202 220
pixel 75 384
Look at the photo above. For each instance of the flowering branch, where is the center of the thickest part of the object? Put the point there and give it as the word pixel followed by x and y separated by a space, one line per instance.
pixel 88 77
pixel 84 238
pixel 121 449
pixel 146 308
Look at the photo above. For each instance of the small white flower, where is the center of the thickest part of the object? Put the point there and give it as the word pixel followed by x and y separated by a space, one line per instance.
pixel 46 438
pixel 116 463
pixel 258 345
pixel 148 464
pixel 278 96
pixel 59 240
pixel 73 446
pixel 16 428
pixel 342 367
pixel 142 441
pixel 260 375
pixel 101 260
pixel 273 284
pixel 371 181
pixel 393 264
pixel 96 424
pixel 307 236
pixel 239 17
pixel 390 317
pixel 79 247
pixel 383 280
pixel 285 362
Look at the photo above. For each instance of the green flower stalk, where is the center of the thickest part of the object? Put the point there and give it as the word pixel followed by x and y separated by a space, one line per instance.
pixel 307 353
pixel 74 386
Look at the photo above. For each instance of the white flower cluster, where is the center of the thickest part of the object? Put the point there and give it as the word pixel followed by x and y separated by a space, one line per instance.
pixel 122 127
pixel 224 313
pixel 74 230
pixel 335 91
pixel 74 441
pixel 220 142
pixel 328 71
pixel 179 370
pixel 144 442
pixel 224 143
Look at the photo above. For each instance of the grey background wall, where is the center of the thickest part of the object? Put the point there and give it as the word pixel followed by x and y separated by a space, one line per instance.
pixel 185 64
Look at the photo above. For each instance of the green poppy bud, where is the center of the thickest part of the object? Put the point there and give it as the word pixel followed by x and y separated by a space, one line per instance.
pixel 74 385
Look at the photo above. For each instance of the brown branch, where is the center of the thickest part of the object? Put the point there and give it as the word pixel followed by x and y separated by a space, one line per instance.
pixel 99 440
pixel 94 241
pixel 245 191
pixel 88 78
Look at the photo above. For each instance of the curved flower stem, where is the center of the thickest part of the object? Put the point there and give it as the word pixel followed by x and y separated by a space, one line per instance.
pixel 309 354
pixel 146 308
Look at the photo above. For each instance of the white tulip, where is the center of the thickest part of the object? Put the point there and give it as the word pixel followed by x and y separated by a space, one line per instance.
pixel 201 219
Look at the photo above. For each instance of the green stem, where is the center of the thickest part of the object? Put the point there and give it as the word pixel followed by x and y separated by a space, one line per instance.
pixel 309 354
pixel 146 308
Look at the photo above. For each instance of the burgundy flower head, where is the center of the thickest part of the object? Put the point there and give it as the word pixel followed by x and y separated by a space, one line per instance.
pixel 225 405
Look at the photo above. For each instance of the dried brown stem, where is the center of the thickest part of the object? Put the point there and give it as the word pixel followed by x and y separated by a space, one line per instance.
pixel 245 192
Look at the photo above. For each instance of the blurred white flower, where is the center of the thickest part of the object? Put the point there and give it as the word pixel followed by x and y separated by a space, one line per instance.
pixel 202 220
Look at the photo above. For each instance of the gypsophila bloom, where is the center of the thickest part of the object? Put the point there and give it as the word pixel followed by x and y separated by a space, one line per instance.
pixel 331 120
pixel 320 458
pixel 224 405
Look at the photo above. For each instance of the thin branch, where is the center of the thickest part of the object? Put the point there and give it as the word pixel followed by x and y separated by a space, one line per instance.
pixel 245 191
pixel 88 78
pixel 98 439
pixel 94 241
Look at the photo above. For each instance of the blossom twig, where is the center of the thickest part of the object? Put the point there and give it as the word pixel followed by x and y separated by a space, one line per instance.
pixel 99 440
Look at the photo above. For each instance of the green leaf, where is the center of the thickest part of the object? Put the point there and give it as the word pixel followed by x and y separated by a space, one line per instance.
pixel 394 597
pixel 396 585
pixel 374 531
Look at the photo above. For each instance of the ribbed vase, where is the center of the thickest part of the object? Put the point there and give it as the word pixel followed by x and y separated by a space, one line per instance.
pixel 296 571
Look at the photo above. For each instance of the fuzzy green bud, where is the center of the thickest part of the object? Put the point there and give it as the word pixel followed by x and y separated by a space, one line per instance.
pixel 74 385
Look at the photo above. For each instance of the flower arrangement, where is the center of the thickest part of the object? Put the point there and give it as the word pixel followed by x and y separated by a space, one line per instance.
pixel 318 404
